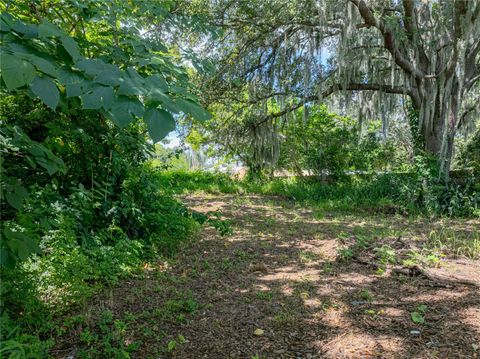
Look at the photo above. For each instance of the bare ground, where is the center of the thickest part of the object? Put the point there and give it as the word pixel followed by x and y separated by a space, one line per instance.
pixel 277 288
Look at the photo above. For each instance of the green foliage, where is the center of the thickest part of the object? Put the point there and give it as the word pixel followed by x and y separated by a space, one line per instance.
pixel 385 254
pixel 425 189
pixel 169 159
pixel 191 181
pixel 418 315
pixel 365 294
pixel 81 207
pixel 459 244
pixel 107 339
pixel 325 143
pixel 345 254
pixel 87 242
pixel 52 66
pixel 469 156
pixel 403 193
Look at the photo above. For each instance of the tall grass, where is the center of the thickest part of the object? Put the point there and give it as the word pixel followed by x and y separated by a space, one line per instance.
pixel 389 193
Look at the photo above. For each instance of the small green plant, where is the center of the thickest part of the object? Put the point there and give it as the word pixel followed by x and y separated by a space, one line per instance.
pixel 362 242
pixel 385 254
pixel 328 304
pixel 365 294
pixel 285 317
pixel 308 257
pixel 243 255
pixel 327 268
pixel 226 264
pixel 264 295
pixel 173 344
pixel 178 308
pixel 466 244
pixel 413 258
pixel 106 339
pixel 418 315
pixel 432 260
pixel 345 254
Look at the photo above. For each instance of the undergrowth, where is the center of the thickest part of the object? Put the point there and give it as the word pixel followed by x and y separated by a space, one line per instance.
pixel 389 193
pixel 88 240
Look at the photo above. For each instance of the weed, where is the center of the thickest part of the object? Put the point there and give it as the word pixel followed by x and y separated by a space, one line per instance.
pixel 173 344
pixel 264 295
pixel 244 256
pixel 365 294
pixel 328 304
pixel 431 259
pixel 464 244
pixel 374 313
pixel 345 254
pixel 285 317
pixel 362 242
pixel 309 257
pixel 226 264
pixel 327 268
pixel 418 315
pixel 107 339
pixel 385 254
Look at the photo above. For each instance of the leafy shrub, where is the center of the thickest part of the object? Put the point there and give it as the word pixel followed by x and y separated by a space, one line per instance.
pixel 414 192
pixel 326 143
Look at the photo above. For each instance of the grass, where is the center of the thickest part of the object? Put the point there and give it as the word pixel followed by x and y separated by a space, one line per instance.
pixel 307 257
pixel 463 244
pixel 264 295
pixel 390 193
pixel 360 237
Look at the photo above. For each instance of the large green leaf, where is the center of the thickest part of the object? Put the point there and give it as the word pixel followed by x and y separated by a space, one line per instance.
pixel 91 67
pixel 43 65
pixel 16 72
pixel 78 88
pixel 110 75
pixel 100 96
pixel 15 195
pixel 46 89
pixel 193 109
pixel 47 29
pixel 124 109
pixel 159 123
pixel 132 84
pixel 6 22
pixel 27 31
pixel 67 76
pixel 159 96
pixel 71 47
pixel 20 244
pixel 156 82
pixel 75 84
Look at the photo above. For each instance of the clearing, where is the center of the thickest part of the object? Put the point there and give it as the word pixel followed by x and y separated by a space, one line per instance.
pixel 294 282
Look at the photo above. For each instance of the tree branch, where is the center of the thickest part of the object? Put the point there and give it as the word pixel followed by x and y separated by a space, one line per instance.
pixel 410 23
pixel 388 38
pixel 399 90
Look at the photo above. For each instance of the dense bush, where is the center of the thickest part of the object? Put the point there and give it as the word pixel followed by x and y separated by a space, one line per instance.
pixel 86 239
pixel 90 209
pixel 179 182
pixel 415 192
pixel 326 143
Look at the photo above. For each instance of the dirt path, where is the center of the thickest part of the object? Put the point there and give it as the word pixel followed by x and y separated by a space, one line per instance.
pixel 277 288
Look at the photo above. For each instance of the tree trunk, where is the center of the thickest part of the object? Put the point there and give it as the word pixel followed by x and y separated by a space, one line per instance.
pixel 439 122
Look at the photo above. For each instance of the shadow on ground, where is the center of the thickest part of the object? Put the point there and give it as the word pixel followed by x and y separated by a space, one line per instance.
pixel 277 288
